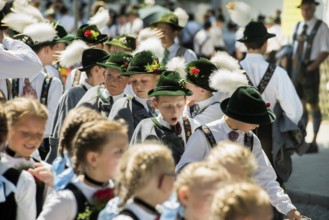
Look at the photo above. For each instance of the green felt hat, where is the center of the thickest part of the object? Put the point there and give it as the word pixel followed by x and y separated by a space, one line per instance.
pixel 169 18
pixel 247 105
pixel 144 62
pixel 91 34
pixel 170 84
pixel 125 41
pixel 118 60
pixel 198 73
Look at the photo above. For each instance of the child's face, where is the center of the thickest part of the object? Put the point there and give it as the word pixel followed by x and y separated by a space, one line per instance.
pixel 26 135
pixel 142 84
pixel 115 83
pixel 108 159
pixel 170 107
pixel 198 201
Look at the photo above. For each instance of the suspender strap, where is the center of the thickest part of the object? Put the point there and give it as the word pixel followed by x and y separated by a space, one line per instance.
pixel 265 80
pixel 310 41
pixel 83 87
pixel 76 78
pixel 187 128
pixel 156 123
pixel 45 89
pixel 202 110
pixel 9 89
pixel 295 33
pixel 202 44
pixel 180 52
pixel 15 88
pixel 249 140
pixel 209 135
pixel 79 197
pixel 12 175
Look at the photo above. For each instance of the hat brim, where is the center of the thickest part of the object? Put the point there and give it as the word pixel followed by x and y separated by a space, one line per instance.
pixel 248 39
pixel 94 64
pixel 67 39
pixel 111 43
pixel 160 92
pixel 129 73
pixel 203 87
pixel 179 28
pixel 267 118
pixel 110 65
pixel 316 3
pixel 102 38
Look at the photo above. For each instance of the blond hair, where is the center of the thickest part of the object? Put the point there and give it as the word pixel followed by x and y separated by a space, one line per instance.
pixel 236 200
pixel 91 137
pixel 140 164
pixel 3 126
pixel 230 153
pixel 200 174
pixel 19 107
pixel 73 121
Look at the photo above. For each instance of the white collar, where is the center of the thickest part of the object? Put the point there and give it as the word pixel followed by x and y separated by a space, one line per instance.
pixel 166 124
pixel 173 48
pixel 254 56
pixel 106 94
pixel 87 85
pixel 311 22
pixel 205 103
pixel 227 129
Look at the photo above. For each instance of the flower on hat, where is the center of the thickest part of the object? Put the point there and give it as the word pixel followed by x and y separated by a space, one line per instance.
pixel 125 65
pixel 194 71
pixel 91 34
pixel 123 40
pixel 154 67
pixel 268 105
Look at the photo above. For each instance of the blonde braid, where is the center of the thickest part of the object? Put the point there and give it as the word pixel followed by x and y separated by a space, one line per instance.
pixel 140 164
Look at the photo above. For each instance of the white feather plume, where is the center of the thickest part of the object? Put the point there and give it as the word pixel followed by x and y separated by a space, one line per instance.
pixel 100 19
pixel 152 44
pixel 226 81
pixel 182 16
pixel 72 55
pixel 225 61
pixel 40 32
pixel 22 6
pixel 2 4
pixel 18 21
pixel 240 12
pixel 177 64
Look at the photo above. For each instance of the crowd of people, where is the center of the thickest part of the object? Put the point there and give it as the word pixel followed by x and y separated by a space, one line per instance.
pixel 154 119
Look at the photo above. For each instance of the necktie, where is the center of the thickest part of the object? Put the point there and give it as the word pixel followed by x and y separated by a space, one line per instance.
pixel 233 135
pixel 28 89
pixel 194 110
pixel 177 129
pixel 151 108
pixel 165 57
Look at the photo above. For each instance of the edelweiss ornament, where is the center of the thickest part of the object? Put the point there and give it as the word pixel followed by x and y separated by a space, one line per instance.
pixel 100 19
pixel 223 60
pixel 177 64
pixel 72 55
pixel 240 12
pixel 226 81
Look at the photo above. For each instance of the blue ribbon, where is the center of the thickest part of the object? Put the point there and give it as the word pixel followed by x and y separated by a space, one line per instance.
pixel 62 175
pixel 6 187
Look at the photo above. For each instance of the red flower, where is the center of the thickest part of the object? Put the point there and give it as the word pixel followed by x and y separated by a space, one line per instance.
pixel 126 64
pixel 194 71
pixel 87 33
pixel 155 69
pixel 101 197
pixel 268 105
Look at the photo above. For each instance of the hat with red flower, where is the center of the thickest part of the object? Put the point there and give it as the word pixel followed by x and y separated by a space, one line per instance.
pixel 198 73
pixel 119 61
pixel 91 34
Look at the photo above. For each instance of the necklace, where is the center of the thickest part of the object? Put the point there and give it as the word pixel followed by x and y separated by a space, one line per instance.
pixel 95 182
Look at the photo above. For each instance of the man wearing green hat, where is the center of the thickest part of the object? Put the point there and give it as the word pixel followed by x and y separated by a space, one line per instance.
pixel 170 28
pixel 94 65
pixel 202 106
pixel 311 48
pixel 143 71
pixel 121 43
pixel 243 112
pixel 169 127
pixel 102 97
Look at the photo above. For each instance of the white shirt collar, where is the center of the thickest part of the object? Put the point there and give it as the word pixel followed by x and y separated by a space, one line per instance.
pixel 173 48
pixel 227 129
pixel 166 124
pixel 87 85
pixel 311 22
pixel 106 94
pixel 254 56
pixel 205 103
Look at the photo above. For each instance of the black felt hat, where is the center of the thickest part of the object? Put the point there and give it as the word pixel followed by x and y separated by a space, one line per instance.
pixel 247 105
pixel 91 34
pixel 92 57
pixel 307 2
pixel 255 31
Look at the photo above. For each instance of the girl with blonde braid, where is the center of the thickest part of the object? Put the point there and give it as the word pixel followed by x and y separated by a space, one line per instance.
pixel 235 158
pixel 62 166
pixel 146 179
pixel 241 201
pixel 97 150
pixel 195 187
